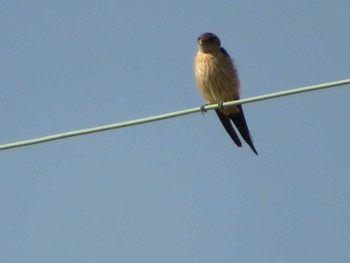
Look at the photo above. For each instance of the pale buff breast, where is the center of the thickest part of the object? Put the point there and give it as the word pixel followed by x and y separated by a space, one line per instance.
pixel 217 79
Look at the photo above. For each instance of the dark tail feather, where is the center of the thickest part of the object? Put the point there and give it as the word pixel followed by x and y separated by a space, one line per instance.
pixel 228 127
pixel 241 124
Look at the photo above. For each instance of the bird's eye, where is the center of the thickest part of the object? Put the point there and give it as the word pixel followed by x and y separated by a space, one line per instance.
pixel 207 38
pixel 211 38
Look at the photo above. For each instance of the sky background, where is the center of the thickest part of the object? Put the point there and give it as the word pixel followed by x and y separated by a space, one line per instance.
pixel 176 190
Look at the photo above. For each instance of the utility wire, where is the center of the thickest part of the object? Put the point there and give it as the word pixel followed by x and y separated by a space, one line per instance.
pixel 172 114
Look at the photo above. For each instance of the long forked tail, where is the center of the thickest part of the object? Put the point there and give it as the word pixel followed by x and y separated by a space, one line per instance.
pixel 241 124
pixel 226 122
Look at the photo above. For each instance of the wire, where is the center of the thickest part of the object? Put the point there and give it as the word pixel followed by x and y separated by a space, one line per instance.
pixel 171 115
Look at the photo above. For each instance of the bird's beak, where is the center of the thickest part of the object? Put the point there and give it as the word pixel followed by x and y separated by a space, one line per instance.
pixel 201 41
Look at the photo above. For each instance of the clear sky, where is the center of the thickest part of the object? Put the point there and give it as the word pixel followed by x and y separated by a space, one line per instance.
pixel 177 190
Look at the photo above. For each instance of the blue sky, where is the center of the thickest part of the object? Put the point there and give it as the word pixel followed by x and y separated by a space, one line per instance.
pixel 177 190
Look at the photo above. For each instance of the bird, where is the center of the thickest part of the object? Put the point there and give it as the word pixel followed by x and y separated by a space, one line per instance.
pixel 217 80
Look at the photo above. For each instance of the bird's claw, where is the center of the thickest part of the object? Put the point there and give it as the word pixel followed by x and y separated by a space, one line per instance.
pixel 221 105
pixel 203 109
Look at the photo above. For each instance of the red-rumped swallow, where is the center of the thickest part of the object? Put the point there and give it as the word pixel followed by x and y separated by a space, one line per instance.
pixel 218 82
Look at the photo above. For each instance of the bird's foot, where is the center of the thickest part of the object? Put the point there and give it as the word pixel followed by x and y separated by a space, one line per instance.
pixel 221 105
pixel 203 109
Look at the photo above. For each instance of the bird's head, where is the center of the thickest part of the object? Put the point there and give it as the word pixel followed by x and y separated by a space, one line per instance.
pixel 208 43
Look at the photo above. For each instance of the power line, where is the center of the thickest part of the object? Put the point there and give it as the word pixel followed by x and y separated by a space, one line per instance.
pixel 171 115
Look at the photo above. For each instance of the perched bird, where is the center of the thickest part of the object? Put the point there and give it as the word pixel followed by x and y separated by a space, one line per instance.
pixel 218 82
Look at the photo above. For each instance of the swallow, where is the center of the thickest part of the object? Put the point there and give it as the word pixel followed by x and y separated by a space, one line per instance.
pixel 218 81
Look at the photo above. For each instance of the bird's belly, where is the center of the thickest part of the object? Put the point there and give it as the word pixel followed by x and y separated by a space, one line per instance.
pixel 217 83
